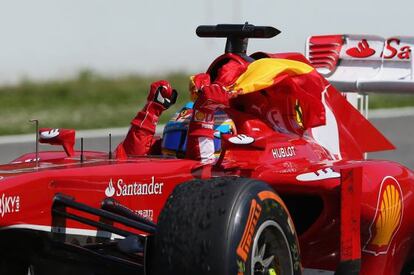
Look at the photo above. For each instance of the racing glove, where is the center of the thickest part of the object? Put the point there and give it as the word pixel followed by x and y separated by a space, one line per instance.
pixel 200 144
pixel 140 136
pixel 211 98
pixel 197 83
pixel 162 93
pixel 161 96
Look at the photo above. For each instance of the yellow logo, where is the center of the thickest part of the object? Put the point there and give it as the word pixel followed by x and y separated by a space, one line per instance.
pixel 388 217
pixel 200 116
pixel 298 114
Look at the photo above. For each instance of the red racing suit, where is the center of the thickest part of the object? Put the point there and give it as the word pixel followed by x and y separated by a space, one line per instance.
pixel 200 139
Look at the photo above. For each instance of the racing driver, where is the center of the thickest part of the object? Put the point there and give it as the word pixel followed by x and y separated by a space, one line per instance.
pixel 208 98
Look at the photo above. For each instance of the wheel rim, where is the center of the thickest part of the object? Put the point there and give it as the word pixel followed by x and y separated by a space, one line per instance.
pixel 271 251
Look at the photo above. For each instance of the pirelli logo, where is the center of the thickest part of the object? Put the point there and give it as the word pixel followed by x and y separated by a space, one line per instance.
pixel 247 238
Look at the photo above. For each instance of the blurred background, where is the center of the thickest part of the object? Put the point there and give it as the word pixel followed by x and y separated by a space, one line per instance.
pixel 87 64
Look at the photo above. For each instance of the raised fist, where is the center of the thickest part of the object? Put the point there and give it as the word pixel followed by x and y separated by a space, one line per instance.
pixel 197 82
pixel 211 98
pixel 162 93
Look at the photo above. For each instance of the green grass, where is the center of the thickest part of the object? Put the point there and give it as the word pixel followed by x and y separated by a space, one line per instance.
pixel 377 101
pixel 91 101
pixel 86 102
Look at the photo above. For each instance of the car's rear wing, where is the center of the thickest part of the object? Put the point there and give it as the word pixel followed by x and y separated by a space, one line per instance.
pixel 364 63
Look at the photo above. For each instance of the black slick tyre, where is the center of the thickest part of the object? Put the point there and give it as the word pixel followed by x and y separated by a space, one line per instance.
pixel 225 226
pixel 13 267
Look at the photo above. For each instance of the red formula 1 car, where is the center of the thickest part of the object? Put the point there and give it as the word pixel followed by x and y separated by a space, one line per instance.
pixel 290 190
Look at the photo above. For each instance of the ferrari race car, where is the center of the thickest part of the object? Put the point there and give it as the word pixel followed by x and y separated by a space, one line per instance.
pixel 291 190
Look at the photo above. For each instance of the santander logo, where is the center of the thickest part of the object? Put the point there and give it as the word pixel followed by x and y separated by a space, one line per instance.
pixel 110 190
pixel 120 188
pixel 363 50
pixel 393 49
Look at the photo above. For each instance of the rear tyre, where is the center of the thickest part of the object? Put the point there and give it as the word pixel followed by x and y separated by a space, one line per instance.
pixel 225 226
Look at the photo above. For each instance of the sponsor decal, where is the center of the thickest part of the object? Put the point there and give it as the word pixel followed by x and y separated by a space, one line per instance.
pixel 362 50
pixel 146 213
pixel 321 174
pixel 387 219
pixel 241 267
pixel 203 117
pixel 392 50
pixel 241 139
pixel 245 244
pixel 284 152
pixel 288 168
pixel 110 190
pixel 184 114
pixel 123 189
pixel 49 134
pixel 207 126
pixel 9 204
pixel 199 116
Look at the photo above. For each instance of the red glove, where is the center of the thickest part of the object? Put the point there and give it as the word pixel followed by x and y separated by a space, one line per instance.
pixel 140 137
pixel 160 98
pixel 162 94
pixel 197 82
pixel 211 98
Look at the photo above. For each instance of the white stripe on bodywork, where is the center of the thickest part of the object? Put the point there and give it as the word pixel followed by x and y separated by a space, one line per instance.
pixel 67 230
pixel 321 174
pixel 328 135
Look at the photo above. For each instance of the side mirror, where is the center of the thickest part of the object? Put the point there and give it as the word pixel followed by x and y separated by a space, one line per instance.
pixel 63 137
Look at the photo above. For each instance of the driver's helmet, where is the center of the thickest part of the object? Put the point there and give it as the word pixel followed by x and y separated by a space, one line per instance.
pixel 174 140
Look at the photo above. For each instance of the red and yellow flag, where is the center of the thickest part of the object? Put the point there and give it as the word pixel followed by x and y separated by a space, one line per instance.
pixel 266 72
pixel 298 79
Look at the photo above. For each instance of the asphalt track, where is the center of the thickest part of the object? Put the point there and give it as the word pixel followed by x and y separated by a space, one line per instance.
pixel 396 125
pixel 400 131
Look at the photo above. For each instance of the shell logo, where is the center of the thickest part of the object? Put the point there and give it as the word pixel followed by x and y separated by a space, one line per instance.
pixel 200 116
pixel 388 217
